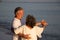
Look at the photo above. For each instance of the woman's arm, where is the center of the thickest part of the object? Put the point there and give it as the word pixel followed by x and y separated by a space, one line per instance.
pixel 43 23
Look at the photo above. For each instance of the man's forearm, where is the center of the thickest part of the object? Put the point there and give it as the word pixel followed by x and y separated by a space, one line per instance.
pixel 21 35
pixel 24 36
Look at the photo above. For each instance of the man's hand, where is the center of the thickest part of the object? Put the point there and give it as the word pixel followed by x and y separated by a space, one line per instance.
pixel 26 36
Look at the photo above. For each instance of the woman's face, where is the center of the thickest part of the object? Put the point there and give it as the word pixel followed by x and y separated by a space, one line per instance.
pixel 20 14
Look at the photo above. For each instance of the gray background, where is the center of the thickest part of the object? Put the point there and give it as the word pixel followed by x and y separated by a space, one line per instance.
pixel 41 9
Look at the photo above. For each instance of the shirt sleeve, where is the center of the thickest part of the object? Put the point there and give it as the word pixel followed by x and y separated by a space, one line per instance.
pixel 18 30
pixel 16 23
pixel 39 31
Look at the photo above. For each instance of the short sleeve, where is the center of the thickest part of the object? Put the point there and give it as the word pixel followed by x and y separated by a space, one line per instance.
pixel 16 23
pixel 18 30
pixel 39 31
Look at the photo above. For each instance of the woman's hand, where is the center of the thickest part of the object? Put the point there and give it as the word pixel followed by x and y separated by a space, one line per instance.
pixel 44 23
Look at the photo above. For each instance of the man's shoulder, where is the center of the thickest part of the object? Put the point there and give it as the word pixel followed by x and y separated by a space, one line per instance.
pixel 16 20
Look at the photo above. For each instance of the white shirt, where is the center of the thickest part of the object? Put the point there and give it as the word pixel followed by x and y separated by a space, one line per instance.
pixel 34 32
pixel 16 23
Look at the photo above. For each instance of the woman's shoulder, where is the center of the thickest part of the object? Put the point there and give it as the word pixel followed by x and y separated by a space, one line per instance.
pixel 23 26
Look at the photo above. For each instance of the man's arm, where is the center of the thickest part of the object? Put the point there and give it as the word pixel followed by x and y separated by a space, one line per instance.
pixel 19 32
pixel 24 36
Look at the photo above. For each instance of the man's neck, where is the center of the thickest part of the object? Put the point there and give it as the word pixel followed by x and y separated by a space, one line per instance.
pixel 17 18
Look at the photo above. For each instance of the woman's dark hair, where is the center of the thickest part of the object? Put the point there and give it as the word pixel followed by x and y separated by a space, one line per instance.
pixel 30 21
pixel 17 9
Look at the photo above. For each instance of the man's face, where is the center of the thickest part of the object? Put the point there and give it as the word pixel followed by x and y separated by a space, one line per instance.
pixel 20 14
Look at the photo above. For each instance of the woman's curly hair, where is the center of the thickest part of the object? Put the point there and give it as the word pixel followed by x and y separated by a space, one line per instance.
pixel 30 21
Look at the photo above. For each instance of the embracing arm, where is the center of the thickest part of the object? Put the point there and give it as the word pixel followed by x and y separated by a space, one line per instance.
pixel 24 36
pixel 19 32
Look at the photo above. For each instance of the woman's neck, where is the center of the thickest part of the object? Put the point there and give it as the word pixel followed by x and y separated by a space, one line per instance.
pixel 29 27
